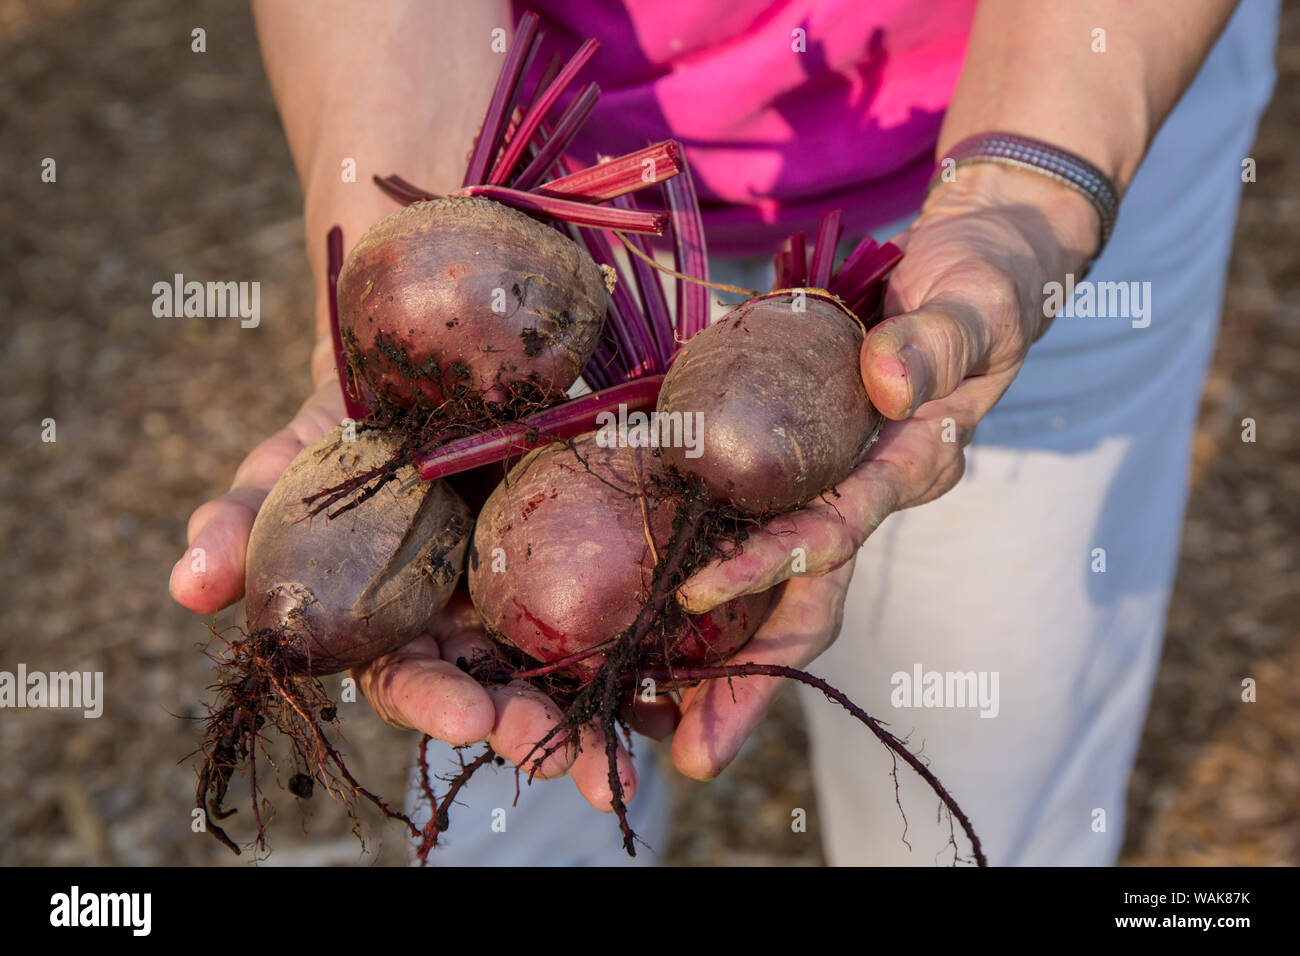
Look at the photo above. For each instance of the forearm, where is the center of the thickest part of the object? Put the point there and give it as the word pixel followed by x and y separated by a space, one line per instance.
pixel 1031 69
pixel 399 87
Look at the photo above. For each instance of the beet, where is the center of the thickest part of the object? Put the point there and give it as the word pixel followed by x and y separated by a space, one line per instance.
pixel 784 413
pixel 574 562
pixel 351 588
pixel 325 593
pixel 466 297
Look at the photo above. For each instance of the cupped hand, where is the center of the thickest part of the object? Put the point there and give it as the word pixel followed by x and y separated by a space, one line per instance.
pixel 210 574
pixel 963 307
pixel 421 687
pixel 418 687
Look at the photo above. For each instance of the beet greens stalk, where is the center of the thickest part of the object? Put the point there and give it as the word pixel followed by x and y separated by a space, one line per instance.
pixel 522 50
pixel 557 142
pixel 823 260
pixel 578 213
pixel 690 255
pixel 514 150
pixel 652 295
pixel 353 401
pixel 557 423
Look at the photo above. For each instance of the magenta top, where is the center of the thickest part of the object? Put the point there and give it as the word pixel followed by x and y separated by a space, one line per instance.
pixel 787 108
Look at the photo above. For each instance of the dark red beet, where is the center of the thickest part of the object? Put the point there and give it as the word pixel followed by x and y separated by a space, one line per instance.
pixel 347 589
pixel 561 563
pixel 465 296
pixel 784 413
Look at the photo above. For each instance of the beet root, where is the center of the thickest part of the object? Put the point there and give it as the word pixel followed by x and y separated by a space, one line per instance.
pixel 357 585
pixel 783 411
pixel 324 594
pixel 564 551
pixel 463 299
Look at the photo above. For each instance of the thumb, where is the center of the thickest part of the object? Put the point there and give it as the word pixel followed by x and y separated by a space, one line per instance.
pixel 919 356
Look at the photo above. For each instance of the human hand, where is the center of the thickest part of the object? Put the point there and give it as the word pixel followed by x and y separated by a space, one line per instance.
pixel 419 686
pixel 963 307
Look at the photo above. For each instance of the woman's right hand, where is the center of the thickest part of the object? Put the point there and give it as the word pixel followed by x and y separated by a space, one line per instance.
pixel 210 574
pixel 418 687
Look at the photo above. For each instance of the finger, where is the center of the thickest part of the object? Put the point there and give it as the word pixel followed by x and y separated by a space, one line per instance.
pixel 810 541
pixel 590 771
pixel 720 715
pixel 913 461
pixel 524 715
pixel 458 628
pixel 416 689
pixel 656 718
pixel 919 356
pixel 210 574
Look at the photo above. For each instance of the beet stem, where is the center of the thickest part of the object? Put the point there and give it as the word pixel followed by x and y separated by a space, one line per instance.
pixel 543 81
pixel 399 189
pixel 514 150
pixel 570 123
pixel 653 301
pixel 798 260
pixel 690 254
pixel 566 210
pixel 828 237
pixel 503 99
pixel 627 320
pixel 782 267
pixel 557 423
pixel 619 176
pixel 547 77
pixel 859 281
pixel 352 400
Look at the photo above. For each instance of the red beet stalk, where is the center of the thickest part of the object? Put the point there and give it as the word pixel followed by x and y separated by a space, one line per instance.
pixel 652 294
pixel 566 210
pixel 626 320
pixel 690 256
pixel 823 260
pixel 514 150
pixel 557 423
pixel 352 398
pixel 798 261
pixel 502 105
pixel 405 193
pixel 558 141
pixel 621 175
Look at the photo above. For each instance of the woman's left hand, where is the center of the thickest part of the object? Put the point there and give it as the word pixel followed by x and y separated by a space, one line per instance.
pixel 963 307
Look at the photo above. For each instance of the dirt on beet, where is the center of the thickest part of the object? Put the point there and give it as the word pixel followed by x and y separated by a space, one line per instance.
pixel 173 162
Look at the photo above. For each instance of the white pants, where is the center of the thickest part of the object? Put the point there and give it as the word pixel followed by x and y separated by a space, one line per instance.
pixel 1048 568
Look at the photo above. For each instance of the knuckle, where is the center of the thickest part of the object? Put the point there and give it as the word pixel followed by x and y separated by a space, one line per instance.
pixel 1004 313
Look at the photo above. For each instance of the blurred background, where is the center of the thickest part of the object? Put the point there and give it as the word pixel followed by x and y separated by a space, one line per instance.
pixel 170 162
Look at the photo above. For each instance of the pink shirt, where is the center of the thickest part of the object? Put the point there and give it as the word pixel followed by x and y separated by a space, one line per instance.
pixel 774 136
